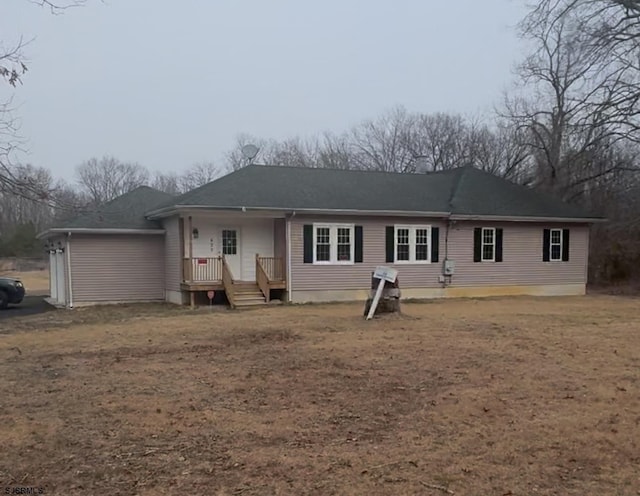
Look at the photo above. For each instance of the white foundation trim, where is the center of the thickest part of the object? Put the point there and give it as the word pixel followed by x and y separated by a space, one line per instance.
pixel 459 292
pixel 174 297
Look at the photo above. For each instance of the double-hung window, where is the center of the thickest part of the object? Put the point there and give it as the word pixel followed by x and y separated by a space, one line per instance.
pixel 333 243
pixel 488 244
pixel 555 245
pixel 412 244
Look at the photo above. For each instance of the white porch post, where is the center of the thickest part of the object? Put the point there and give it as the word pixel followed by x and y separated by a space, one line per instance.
pixel 288 260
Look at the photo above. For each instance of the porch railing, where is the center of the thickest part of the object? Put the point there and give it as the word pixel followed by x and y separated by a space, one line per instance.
pixel 262 279
pixel 209 269
pixel 227 282
pixel 273 267
pixel 202 269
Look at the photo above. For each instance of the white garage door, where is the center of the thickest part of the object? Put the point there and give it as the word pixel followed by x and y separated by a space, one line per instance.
pixel 60 282
pixel 53 274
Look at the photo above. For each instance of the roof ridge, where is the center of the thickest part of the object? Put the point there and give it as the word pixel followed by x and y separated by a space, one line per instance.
pixel 336 169
pixel 103 205
pixel 456 185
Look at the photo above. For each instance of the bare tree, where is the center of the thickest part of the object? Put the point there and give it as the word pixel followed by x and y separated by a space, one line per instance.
pixel 169 183
pixel 609 23
pixel 197 175
pixel 499 148
pixel 16 209
pixel 399 141
pixel 381 144
pixel 12 65
pixel 334 152
pixel 106 178
pixel 572 102
pixel 441 141
pixel 12 68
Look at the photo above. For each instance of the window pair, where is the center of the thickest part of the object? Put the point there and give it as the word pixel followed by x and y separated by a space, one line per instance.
pixel 488 245
pixel 332 243
pixel 343 244
pixel 412 244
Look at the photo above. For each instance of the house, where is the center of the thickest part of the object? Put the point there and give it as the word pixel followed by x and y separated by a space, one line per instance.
pixel 309 235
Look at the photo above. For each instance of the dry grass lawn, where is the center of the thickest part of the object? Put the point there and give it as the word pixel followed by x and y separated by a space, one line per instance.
pixel 513 396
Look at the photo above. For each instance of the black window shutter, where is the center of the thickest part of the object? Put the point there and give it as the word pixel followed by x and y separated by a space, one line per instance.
pixel 358 247
pixel 477 244
pixel 565 245
pixel 307 242
pixel 498 245
pixel 390 243
pixel 435 243
pixel 546 245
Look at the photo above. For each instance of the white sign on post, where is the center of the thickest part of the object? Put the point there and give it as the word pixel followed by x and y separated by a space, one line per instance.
pixel 384 274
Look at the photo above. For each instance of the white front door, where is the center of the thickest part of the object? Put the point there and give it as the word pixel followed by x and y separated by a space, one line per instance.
pixel 231 249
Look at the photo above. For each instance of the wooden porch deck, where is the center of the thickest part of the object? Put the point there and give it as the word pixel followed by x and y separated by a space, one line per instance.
pixel 213 274
pixel 218 286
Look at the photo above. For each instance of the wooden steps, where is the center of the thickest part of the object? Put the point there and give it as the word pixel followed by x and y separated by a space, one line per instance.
pixel 247 294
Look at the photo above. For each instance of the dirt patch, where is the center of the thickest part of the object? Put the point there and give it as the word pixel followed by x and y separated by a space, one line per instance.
pixel 502 396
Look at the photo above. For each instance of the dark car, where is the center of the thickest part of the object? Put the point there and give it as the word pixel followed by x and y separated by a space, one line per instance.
pixel 11 291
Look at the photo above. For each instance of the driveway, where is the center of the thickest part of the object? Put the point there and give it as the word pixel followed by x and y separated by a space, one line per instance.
pixel 31 305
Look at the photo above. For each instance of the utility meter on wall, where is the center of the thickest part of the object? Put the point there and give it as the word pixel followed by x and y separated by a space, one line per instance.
pixel 449 267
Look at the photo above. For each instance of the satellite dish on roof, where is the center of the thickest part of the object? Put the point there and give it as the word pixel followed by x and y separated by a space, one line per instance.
pixel 249 152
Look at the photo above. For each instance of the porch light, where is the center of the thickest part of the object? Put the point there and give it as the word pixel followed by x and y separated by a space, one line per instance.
pixel 195 233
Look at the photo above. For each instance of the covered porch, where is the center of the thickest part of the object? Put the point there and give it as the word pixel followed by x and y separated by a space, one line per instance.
pixel 244 256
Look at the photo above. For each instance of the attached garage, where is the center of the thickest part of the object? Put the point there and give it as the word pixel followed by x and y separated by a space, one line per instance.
pixel 110 255
pixel 117 268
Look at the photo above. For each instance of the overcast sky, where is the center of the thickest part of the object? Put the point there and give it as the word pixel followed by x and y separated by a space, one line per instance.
pixel 168 83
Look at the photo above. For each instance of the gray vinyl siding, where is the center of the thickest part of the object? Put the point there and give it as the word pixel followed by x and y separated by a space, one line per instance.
pixel 117 268
pixel 172 254
pixel 522 257
pixel 309 277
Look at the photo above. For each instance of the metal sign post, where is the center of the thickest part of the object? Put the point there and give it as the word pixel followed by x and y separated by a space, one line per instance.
pixel 210 295
pixel 384 274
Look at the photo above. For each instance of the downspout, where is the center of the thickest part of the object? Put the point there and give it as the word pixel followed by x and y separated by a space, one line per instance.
pixel 68 252
pixel 446 240
pixel 446 281
pixel 289 289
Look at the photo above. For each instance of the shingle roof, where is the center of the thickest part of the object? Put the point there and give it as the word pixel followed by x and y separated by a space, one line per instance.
pixel 461 191
pixel 481 193
pixel 282 187
pixel 124 212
